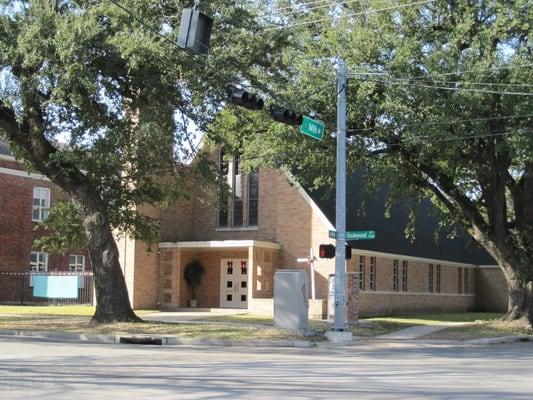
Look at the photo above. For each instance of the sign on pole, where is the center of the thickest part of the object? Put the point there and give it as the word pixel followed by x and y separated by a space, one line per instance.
pixel 355 235
pixel 312 128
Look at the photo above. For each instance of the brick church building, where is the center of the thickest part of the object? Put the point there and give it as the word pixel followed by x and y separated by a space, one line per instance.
pixel 266 223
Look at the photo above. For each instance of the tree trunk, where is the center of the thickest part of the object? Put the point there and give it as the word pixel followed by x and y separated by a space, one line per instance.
pixel 112 301
pixel 520 304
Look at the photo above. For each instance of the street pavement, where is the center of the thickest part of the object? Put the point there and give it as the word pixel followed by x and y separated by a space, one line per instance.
pixel 37 368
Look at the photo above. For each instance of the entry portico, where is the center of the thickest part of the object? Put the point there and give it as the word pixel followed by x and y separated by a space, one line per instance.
pixel 236 272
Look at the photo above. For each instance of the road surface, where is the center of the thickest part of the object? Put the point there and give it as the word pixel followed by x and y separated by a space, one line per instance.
pixel 40 369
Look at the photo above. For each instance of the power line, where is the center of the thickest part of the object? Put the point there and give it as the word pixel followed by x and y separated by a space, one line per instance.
pixel 445 123
pixel 447 73
pixel 289 13
pixel 461 82
pixel 369 11
pixel 391 82
pixel 480 136
pixel 305 4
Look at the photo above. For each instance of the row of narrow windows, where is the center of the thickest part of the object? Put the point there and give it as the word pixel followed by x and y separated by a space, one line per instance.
pixel 400 276
pixel 238 201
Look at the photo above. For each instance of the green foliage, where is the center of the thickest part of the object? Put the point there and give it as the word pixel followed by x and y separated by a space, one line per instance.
pixel 64 229
pixel 462 146
pixel 121 97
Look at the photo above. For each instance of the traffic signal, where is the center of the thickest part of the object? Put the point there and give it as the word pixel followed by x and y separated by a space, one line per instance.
pixel 248 100
pixel 195 31
pixel 326 251
pixel 348 252
pixel 285 116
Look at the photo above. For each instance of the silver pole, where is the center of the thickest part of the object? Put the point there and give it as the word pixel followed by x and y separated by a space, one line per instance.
pixel 340 211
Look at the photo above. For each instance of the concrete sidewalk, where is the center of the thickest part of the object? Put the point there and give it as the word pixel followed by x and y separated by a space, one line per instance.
pixel 415 332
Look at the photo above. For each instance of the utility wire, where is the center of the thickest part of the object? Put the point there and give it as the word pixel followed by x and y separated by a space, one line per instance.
pixel 443 123
pixel 351 74
pixel 290 13
pixel 369 11
pixel 525 85
pixel 480 136
pixel 391 82
pixel 305 4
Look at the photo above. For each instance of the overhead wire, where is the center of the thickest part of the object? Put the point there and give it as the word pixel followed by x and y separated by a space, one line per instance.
pixel 527 65
pixel 369 11
pixel 305 4
pixel 487 91
pixel 355 130
pixel 334 4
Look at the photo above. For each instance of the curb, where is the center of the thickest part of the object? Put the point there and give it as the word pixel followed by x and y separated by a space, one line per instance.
pixel 161 340
pixel 500 340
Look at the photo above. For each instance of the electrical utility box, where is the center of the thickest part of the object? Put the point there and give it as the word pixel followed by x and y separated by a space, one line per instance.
pixel 195 31
pixel 291 299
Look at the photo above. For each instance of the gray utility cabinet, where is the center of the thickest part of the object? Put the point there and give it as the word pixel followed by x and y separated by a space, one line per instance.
pixel 291 299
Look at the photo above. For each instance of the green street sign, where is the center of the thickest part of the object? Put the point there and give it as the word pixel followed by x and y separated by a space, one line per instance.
pixel 355 235
pixel 312 128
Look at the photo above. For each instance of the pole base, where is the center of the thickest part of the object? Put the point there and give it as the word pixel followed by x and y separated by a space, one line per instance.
pixel 339 336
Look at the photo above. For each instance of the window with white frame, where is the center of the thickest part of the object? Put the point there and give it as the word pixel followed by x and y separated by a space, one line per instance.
pixel 76 263
pixel 38 261
pixel 41 203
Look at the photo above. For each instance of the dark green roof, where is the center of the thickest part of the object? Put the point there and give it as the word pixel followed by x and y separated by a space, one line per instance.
pixel 366 211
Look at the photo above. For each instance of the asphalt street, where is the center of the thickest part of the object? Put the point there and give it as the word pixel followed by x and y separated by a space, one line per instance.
pixel 33 368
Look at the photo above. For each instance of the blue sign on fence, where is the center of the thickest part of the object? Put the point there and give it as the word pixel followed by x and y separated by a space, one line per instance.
pixel 55 287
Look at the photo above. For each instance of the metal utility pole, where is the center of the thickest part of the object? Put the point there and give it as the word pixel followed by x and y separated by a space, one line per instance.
pixel 340 210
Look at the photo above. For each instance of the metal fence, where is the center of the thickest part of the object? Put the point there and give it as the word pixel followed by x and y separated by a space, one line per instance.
pixel 17 288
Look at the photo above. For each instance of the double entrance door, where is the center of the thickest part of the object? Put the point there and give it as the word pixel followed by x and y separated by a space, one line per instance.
pixel 234 283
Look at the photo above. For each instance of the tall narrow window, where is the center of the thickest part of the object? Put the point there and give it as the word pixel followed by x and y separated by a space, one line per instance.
pixel 372 282
pixel 76 263
pixel 223 192
pixel 405 274
pixel 459 280
pixel 38 261
pixel 465 280
pixel 430 278
pixel 361 272
pixel 41 204
pixel 395 265
pixel 253 198
pixel 437 278
pixel 238 200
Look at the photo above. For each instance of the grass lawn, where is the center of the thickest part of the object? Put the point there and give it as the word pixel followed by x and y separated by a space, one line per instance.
pixel 80 324
pixel 380 325
pixel 482 329
pixel 73 310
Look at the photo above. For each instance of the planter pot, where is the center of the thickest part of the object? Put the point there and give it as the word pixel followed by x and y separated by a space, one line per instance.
pixel 193 303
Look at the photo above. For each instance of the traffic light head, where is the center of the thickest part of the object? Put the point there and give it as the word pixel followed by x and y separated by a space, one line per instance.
pixel 195 31
pixel 285 116
pixel 326 251
pixel 246 99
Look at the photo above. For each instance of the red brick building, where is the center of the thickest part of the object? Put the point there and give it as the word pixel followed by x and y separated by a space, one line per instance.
pixel 25 200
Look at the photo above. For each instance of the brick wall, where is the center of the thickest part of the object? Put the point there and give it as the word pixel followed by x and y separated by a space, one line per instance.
pixel 491 290
pixel 17 230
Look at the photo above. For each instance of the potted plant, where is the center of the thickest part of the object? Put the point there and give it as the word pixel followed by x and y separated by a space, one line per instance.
pixel 193 273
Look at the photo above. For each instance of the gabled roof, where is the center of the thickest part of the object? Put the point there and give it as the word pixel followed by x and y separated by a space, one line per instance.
pixel 366 211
